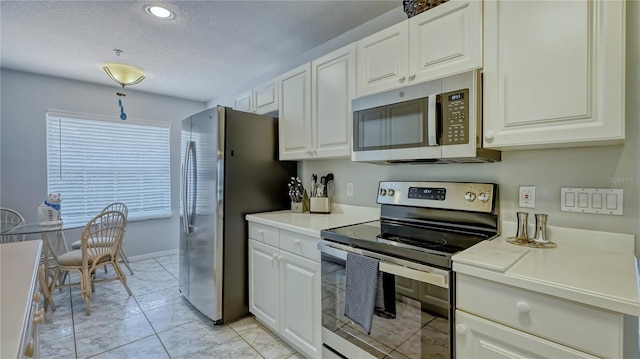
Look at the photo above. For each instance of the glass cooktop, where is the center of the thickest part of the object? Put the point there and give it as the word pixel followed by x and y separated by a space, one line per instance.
pixel 415 242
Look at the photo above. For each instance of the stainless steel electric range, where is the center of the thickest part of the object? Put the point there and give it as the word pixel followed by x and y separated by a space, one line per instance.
pixel 421 226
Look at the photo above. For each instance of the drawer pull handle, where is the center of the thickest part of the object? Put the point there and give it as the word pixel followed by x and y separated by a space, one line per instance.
pixel 461 329
pixel 489 135
pixel 523 307
pixel 296 241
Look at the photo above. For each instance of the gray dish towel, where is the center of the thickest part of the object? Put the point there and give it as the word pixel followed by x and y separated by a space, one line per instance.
pixel 361 286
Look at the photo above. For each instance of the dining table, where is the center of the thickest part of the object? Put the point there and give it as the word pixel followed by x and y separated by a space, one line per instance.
pixel 53 245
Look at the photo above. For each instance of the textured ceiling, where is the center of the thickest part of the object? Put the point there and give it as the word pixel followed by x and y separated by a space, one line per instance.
pixel 209 46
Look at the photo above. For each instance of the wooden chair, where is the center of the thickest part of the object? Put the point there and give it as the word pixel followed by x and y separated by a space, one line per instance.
pixel 10 218
pixel 120 207
pixel 99 246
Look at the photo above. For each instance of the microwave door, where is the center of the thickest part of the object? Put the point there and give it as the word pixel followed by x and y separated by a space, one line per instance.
pixel 408 124
pixel 370 129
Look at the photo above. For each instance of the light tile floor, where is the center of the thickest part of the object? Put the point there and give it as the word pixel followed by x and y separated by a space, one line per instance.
pixel 156 322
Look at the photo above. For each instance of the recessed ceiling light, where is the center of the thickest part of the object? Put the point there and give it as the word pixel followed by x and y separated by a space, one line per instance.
pixel 159 12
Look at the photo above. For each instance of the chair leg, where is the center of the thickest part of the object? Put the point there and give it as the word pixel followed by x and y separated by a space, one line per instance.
pixel 85 284
pixel 92 277
pixel 125 259
pixel 121 276
pixel 65 274
pixel 44 286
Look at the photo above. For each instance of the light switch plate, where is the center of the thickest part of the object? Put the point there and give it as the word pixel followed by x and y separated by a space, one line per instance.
pixel 591 200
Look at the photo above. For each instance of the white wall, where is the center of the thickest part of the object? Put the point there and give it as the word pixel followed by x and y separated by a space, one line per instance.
pixel 548 170
pixel 23 177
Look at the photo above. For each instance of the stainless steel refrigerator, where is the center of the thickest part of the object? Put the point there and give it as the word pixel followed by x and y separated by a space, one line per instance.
pixel 229 168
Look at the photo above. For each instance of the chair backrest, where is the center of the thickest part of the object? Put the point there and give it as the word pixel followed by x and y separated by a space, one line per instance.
pixel 10 218
pixel 117 206
pixel 102 236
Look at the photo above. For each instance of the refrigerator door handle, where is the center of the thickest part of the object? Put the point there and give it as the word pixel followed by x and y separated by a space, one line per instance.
pixel 185 188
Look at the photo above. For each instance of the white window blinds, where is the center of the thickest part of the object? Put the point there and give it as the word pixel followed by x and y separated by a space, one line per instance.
pixel 93 162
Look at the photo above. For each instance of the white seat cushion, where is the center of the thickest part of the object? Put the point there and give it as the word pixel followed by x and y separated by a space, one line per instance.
pixel 74 259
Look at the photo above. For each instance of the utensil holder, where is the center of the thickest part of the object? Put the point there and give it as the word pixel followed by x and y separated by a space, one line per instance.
pixel 320 205
pixel 301 207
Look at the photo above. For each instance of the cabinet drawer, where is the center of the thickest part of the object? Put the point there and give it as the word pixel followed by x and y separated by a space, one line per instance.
pixel 301 245
pixel 264 234
pixel 579 326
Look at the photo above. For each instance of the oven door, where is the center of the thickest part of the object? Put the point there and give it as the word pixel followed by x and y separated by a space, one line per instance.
pixel 423 310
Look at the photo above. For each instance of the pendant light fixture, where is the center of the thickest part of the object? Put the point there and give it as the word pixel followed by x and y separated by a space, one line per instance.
pixel 124 75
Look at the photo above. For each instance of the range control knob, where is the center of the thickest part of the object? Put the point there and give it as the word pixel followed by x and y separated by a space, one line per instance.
pixel 391 192
pixel 470 196
pixel 483 196
pixel 383 191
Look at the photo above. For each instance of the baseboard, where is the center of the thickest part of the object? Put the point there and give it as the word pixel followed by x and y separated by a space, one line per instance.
pixel 153 255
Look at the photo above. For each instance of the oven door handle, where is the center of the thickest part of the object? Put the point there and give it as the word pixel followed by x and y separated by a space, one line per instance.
pixel 395 266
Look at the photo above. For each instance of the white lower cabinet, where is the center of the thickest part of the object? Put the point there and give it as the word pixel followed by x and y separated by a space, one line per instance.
pixel 494 320
pixel 284 286
pixel 480 338
pixel 300 302
pixel 264 281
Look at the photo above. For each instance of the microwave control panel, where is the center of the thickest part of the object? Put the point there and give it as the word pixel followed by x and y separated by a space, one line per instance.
pixel 455 117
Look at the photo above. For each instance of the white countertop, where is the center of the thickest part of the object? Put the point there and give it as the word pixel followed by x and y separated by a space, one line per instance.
pixel 18 275
pixel 311 224
pixel 589 267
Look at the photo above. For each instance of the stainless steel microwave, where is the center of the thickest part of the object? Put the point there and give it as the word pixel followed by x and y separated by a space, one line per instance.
pixel 438 121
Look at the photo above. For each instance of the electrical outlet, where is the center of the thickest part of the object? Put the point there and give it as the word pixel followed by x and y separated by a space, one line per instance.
pixel 527 197
pixel 349 189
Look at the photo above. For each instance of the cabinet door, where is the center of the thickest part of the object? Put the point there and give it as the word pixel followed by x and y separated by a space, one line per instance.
pixel 264 283
pixel 294 125
pixel 445 40
pixel 481 338
pixel 244 102
pixel 556 85
pixel 383 60
pixel 300 303
pixel 334 85
pixel 265 97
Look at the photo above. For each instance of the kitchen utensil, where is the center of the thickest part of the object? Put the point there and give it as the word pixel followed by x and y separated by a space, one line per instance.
pixel 329 185
pixel 321 188
pixel 314 184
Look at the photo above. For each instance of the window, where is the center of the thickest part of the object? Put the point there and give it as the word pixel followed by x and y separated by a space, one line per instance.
pixel 92 162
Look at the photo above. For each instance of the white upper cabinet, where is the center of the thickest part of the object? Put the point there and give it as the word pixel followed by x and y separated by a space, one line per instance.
pixel 261 99
pixel 383 60
pixel 265 97
pixel 315 107
pixel 553 73
pixel 445 40
pixel 294 124
pixel 243 102
pixel 439 42
pixel 334 85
